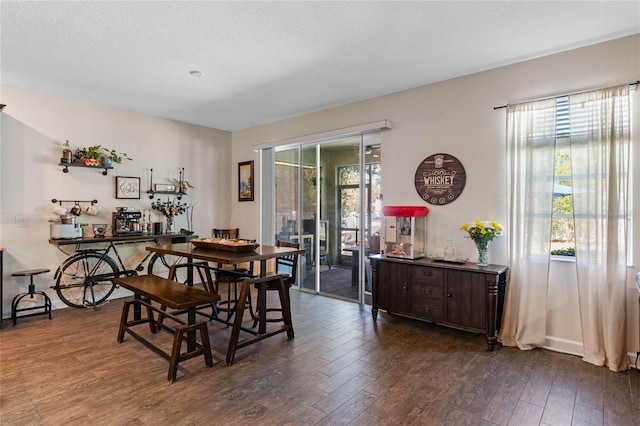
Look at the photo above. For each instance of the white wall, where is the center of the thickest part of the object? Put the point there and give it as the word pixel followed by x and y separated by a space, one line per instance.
pixel 458 117
pixel 34 127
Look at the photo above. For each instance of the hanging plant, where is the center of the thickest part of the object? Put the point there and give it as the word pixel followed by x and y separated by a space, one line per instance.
pixel 115 156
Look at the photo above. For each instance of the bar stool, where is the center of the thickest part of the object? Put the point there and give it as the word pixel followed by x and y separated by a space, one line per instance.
pixel 286 268
pixel 32 290
pixel 232 277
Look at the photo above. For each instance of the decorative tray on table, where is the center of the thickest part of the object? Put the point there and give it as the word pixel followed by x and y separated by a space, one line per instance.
pixel 236 245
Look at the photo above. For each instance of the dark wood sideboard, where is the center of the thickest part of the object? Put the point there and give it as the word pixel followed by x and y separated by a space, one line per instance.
pixel 463 296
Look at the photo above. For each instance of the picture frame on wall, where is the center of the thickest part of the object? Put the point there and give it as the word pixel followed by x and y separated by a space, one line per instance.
pixel 127 187
pixel 245 181
pixel 164 187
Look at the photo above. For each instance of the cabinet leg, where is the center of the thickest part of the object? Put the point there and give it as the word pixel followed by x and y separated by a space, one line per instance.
pixel 491 343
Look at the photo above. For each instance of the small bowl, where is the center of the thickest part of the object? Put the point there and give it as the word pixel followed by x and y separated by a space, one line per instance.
pixel 99 230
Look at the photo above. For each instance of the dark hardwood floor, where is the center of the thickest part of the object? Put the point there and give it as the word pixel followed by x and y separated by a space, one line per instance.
pixel 341 369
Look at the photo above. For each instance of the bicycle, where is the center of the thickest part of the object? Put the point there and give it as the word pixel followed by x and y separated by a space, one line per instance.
pixel 86 278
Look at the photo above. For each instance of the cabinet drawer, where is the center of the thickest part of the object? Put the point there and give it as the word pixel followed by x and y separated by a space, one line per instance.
pixel 428 275
pixel 427 308
pixel 427 290
pixel 427 299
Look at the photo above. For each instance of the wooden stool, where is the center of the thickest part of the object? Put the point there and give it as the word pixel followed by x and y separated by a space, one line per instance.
pixel 32 290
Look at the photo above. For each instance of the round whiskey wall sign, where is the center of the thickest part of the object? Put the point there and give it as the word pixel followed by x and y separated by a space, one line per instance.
pixel 440 179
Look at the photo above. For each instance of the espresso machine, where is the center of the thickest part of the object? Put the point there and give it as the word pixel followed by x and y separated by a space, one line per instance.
pixel 126 222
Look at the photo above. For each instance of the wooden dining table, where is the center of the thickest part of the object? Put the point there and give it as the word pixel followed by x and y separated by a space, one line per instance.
pixel 261 254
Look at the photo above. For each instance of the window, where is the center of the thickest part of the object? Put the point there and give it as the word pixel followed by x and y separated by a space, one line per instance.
pixel 568 129
pixel 585 155
pixel 562 224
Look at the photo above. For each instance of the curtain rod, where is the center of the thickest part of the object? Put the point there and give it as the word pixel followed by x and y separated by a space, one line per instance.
pixel 633 83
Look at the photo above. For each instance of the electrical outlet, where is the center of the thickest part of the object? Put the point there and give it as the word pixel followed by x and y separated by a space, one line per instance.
pixel 22 221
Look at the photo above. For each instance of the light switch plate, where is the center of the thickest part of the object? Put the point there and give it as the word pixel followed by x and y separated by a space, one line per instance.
pixel 22 221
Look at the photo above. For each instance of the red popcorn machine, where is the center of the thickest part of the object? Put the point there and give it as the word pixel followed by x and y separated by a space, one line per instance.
pixel 405 231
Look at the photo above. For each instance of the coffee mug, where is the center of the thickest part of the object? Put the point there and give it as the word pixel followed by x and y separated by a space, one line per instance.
pixel 59 210
pixel 76 210
pixel 91 210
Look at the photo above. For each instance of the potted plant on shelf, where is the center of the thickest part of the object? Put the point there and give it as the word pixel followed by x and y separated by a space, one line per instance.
pixel 92 155
pixel 111 156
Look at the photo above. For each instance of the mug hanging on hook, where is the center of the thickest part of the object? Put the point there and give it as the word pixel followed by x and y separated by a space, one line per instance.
pixel 76 210
pixel 59 210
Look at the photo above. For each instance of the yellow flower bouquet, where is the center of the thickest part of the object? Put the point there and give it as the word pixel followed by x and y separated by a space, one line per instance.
pixel 482 232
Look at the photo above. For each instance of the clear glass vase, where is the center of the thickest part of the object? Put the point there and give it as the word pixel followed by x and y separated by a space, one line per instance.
pixel 449 252
pixel 169 229
pixel 483 247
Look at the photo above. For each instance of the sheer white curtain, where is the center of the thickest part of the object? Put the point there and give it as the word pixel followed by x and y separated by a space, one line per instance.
pixel 600 152
pixel 531 138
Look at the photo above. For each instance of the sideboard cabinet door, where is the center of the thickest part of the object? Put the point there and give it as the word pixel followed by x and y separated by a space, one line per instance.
pixel 466 300
pixel 395 284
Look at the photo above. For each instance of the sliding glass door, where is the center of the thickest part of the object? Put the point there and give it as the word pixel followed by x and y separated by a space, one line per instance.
pixel 327 198
pixel 338 277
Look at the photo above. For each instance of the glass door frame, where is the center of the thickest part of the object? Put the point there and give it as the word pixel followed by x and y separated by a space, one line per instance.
pixel 364 186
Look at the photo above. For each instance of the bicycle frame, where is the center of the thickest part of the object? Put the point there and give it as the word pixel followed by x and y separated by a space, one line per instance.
pixel 105 252
pixel 102 257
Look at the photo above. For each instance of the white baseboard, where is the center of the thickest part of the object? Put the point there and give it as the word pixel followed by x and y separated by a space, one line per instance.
pixel 565 346
pixel 575 348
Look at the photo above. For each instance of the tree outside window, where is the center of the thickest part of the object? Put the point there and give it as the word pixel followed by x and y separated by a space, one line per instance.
pixel 562 225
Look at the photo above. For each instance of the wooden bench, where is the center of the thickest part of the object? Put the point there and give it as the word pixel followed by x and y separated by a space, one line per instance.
pixel 148 288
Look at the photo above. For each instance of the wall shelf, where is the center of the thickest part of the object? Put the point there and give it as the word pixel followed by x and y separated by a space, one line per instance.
pixel 177 194
pixel 65 167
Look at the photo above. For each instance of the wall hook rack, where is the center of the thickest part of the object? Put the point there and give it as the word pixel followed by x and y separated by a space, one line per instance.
pixel 75 201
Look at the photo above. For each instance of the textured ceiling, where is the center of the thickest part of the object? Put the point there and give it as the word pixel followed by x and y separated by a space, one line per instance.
pixel 265 61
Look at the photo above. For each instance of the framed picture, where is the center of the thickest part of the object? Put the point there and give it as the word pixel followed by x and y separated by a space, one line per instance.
pixel 128 187
pixel 245 181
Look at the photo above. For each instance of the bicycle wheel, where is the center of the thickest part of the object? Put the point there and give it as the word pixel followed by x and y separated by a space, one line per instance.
pixel 86 280
pixel 160 264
